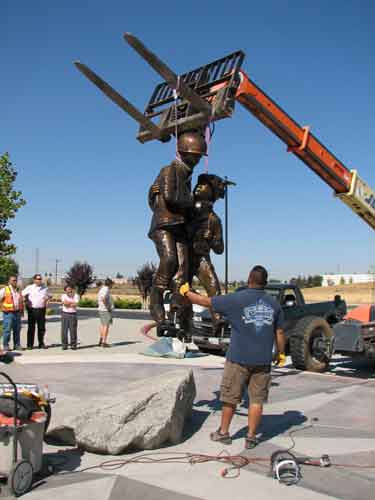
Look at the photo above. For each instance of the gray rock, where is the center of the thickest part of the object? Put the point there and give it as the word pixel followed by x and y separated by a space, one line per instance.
pixel 150 413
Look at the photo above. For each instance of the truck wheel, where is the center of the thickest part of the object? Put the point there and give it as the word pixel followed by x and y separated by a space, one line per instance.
pixel 310 344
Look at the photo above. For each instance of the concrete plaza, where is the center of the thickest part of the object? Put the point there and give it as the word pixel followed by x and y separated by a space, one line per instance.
pixel 330 413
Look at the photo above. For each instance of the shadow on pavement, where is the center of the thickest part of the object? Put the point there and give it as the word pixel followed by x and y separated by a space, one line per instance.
pixel 83 314
pixel 274 425
pixel 351 367
pixel 90 346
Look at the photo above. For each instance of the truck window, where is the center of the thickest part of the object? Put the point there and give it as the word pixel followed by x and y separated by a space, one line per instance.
pixel 288 298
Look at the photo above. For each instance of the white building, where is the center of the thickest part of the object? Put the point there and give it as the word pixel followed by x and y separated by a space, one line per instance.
pixel 340 279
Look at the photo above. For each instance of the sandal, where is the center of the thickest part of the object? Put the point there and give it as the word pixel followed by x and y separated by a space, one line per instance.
pixel 251 442
pixel 219 437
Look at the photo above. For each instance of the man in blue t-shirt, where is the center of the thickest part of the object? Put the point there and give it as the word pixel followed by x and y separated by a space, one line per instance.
pixel 256 321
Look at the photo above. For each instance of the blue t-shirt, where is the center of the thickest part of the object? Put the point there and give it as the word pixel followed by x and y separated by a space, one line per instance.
pixel 254 317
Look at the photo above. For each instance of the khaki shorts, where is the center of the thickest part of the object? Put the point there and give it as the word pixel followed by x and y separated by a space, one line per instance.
pixel 235 376
pixel 105 318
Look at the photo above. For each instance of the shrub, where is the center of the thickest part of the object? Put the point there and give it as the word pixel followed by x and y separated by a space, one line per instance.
pixel 86 302
pixel 127 304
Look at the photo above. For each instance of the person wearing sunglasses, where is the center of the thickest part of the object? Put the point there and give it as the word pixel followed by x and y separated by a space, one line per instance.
pixel 36 300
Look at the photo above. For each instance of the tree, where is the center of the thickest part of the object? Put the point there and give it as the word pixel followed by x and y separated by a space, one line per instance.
pixel 10 202
pixel 342 280
pixel 8 267
pixel 317 280
pixel 80 276
pixel 119 276
pixel 143 280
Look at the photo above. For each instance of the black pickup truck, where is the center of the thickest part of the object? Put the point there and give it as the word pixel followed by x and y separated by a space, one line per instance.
pixel 307 327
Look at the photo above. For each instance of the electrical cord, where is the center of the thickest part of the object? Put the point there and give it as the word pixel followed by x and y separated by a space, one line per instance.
pixel 233 463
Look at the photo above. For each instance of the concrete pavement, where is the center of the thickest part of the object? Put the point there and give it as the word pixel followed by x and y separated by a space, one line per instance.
pixel 329 413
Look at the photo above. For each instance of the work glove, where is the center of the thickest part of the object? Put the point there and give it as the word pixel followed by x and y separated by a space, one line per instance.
pixel 184 289
pixel 280 360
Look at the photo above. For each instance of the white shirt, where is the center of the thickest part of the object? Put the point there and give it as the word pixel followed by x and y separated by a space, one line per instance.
pixel 73 302
pixel 38 295
pixel 16 295
pixel 105 302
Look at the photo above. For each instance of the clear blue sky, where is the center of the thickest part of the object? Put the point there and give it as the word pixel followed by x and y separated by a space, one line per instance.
pixel 85 177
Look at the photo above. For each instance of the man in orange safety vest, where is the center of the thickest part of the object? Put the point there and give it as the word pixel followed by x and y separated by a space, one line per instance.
pixel 12 307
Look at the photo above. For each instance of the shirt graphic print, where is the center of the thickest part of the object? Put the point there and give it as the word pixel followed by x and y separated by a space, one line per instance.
pixel 258 314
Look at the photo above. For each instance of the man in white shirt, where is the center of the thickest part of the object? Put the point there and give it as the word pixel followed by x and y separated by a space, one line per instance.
pixel 105 308
pixel 12 307
pixel 69 317
pixel 36 300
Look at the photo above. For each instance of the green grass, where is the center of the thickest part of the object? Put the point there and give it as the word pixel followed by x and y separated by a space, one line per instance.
pixel 119 303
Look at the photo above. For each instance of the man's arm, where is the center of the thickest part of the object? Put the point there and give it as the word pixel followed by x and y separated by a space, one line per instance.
pixel 280 341
pixel 195 298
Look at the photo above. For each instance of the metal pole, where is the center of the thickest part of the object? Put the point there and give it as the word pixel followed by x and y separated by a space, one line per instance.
pixel 36 260
pixel 57 261
pixel 227 183
pixel 226 237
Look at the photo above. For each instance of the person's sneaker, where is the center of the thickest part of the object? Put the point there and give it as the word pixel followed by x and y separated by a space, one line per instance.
pixel 106 345
pixel 251 442
pixel 17 348
pixel 29 348
pixel 74 347
pixel 43 346
pixel 6 348
pixel 100 343
pixel 64 348
pixel 219 437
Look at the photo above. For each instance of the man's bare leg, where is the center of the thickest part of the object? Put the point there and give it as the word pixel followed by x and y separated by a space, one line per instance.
pixel 254 418
pixel 227 413
pixel 105 333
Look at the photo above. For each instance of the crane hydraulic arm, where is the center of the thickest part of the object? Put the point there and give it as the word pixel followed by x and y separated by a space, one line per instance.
pixel 208 93
pixel 347 184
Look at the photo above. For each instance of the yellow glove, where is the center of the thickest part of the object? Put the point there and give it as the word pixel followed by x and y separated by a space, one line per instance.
pixel 280 360
pixel 184 289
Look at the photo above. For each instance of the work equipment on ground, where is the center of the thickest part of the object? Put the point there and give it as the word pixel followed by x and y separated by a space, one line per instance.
pixel 23 419
pixel 285 467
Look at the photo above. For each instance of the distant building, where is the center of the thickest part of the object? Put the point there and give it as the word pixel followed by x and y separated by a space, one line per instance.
pixel 120 281
pixel 341 279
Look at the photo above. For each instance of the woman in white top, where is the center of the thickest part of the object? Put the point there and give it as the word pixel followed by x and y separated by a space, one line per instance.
pixel 69 320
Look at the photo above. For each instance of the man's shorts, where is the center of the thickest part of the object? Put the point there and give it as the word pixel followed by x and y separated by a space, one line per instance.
pixel 105 318
pixel 235 376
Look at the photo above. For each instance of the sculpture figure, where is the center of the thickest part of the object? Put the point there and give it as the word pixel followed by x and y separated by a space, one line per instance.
pixel 171 200
pixel 206 234
pixel 206 231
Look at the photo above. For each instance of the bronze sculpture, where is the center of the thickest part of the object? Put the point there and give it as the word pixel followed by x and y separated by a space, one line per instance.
pixel 206 234
pixel 171 200
pixel 206 231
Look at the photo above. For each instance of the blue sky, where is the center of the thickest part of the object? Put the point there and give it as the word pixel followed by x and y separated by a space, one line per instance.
pixel 85 177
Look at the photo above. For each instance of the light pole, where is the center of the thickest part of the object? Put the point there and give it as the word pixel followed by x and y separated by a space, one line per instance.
pixel 227 183
pixel 56 265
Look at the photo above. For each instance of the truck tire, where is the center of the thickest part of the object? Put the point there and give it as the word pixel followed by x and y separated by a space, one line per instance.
pixel 310 344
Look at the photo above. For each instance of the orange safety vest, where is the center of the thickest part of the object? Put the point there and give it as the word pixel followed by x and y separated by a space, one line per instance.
pixel 8 304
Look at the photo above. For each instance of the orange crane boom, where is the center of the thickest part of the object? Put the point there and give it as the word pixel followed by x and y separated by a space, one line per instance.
pixel 302 143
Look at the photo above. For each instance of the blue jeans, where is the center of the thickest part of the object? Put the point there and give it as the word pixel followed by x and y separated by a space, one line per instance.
pixel 11 322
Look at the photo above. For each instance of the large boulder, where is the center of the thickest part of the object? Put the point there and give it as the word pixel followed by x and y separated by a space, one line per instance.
pixel 150 413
